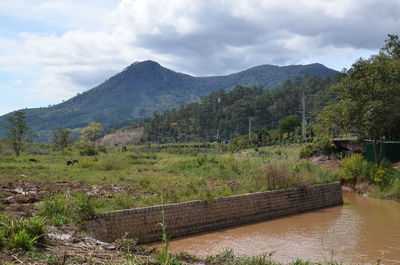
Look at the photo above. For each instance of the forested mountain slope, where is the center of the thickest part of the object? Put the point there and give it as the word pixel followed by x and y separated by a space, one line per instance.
pixel 227 113
pixel 146 87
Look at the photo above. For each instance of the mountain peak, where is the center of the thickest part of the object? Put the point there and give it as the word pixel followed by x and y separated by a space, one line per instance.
pixel 146 87
pixel 144 64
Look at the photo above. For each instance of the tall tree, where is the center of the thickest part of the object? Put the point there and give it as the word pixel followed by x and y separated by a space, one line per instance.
pixel 18 130
pixel 289 124
pixel 61 138
pixel 370 95
pixel 91 133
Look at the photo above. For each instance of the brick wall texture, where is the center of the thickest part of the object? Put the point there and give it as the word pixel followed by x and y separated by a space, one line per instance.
pixel 199 216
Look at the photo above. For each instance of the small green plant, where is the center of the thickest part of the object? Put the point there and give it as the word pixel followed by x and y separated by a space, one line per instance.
pixel 65 208
pixel 21 235
pixel 22 240
pixel 2 239
pixel 127 246
pixel 36 227
pixel 163 256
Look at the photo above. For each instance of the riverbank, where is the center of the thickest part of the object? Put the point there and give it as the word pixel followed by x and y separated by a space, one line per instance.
pixel 321 236
pixel 362 231
pixel 40 183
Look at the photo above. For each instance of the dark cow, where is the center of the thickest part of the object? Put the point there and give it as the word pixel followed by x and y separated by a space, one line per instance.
pixel 72 162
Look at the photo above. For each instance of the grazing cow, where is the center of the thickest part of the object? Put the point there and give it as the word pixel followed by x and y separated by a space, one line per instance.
pixel 32 160
pixel 72 162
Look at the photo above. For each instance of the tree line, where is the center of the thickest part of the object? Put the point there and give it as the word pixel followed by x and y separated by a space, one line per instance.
pixel 19 133
pixel 223 115
pixel 364 101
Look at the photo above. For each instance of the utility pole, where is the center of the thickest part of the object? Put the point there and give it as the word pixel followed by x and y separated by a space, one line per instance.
pixel 250 120
pixel 303 115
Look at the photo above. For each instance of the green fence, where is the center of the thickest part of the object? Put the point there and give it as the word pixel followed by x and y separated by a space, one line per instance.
pixel 390 150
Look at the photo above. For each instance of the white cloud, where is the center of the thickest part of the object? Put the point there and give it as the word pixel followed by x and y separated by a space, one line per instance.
pixel 199 36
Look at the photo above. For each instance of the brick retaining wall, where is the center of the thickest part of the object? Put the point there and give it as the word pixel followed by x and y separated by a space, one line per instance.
pixel 199 216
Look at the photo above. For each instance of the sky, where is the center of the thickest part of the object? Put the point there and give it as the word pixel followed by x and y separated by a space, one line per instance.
pixel 51 50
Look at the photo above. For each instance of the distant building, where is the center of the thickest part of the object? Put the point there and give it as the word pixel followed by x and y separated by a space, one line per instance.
pixel 351 145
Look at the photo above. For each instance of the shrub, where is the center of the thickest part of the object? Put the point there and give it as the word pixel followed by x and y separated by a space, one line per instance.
pixel 65 208
pixel 102 149
pixel 354 168
pixel 307 151
pixel 87 151
pixel 394 191
pixel 320 146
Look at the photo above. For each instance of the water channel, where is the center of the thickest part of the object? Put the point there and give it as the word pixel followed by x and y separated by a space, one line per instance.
pixel 363 230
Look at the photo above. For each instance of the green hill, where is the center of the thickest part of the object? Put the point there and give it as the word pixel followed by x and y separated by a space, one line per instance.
pixel 146 87
pixel 224 115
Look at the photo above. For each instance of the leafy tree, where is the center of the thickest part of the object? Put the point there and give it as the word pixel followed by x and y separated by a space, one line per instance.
pixel 18 131
pixel 61 138
pixel 225 113
pixel 392 47
pixel 91 133
pixel 289 124
pixel 370 95
pixel 331 120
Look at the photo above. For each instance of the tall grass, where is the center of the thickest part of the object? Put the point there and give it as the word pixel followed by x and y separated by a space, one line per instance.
pixel 66 208
pixel 228 257
pixel 176 176
pixel 23 235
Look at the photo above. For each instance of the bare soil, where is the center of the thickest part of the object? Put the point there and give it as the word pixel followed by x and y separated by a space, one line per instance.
pixel 326 161
pixel 20 197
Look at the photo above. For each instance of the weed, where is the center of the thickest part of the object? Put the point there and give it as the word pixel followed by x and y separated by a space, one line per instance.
pixel 127 246
pixel 35 227
pixel 64 208
pixel 21 235
pixel 21 240
pixel 163 256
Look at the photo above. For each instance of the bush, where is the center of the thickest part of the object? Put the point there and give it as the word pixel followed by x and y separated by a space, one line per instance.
pixel 394 191
pixel 66 208
pixel 354 168
pixel 102 149
pixel 87 151
pixel 321 146
pixel 307 151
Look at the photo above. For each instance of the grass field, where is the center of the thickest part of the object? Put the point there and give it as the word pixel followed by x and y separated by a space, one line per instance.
pixel 139 177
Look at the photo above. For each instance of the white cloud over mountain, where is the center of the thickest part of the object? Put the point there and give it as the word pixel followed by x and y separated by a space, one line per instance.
pixel 83 44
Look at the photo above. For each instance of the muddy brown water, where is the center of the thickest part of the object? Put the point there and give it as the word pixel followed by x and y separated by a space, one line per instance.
pixel 363 230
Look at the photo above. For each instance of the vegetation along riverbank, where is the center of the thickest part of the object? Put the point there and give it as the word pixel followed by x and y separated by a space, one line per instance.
pixel 230 142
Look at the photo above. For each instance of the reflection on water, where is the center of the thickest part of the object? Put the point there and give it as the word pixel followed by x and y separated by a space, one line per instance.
pixel 362 230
